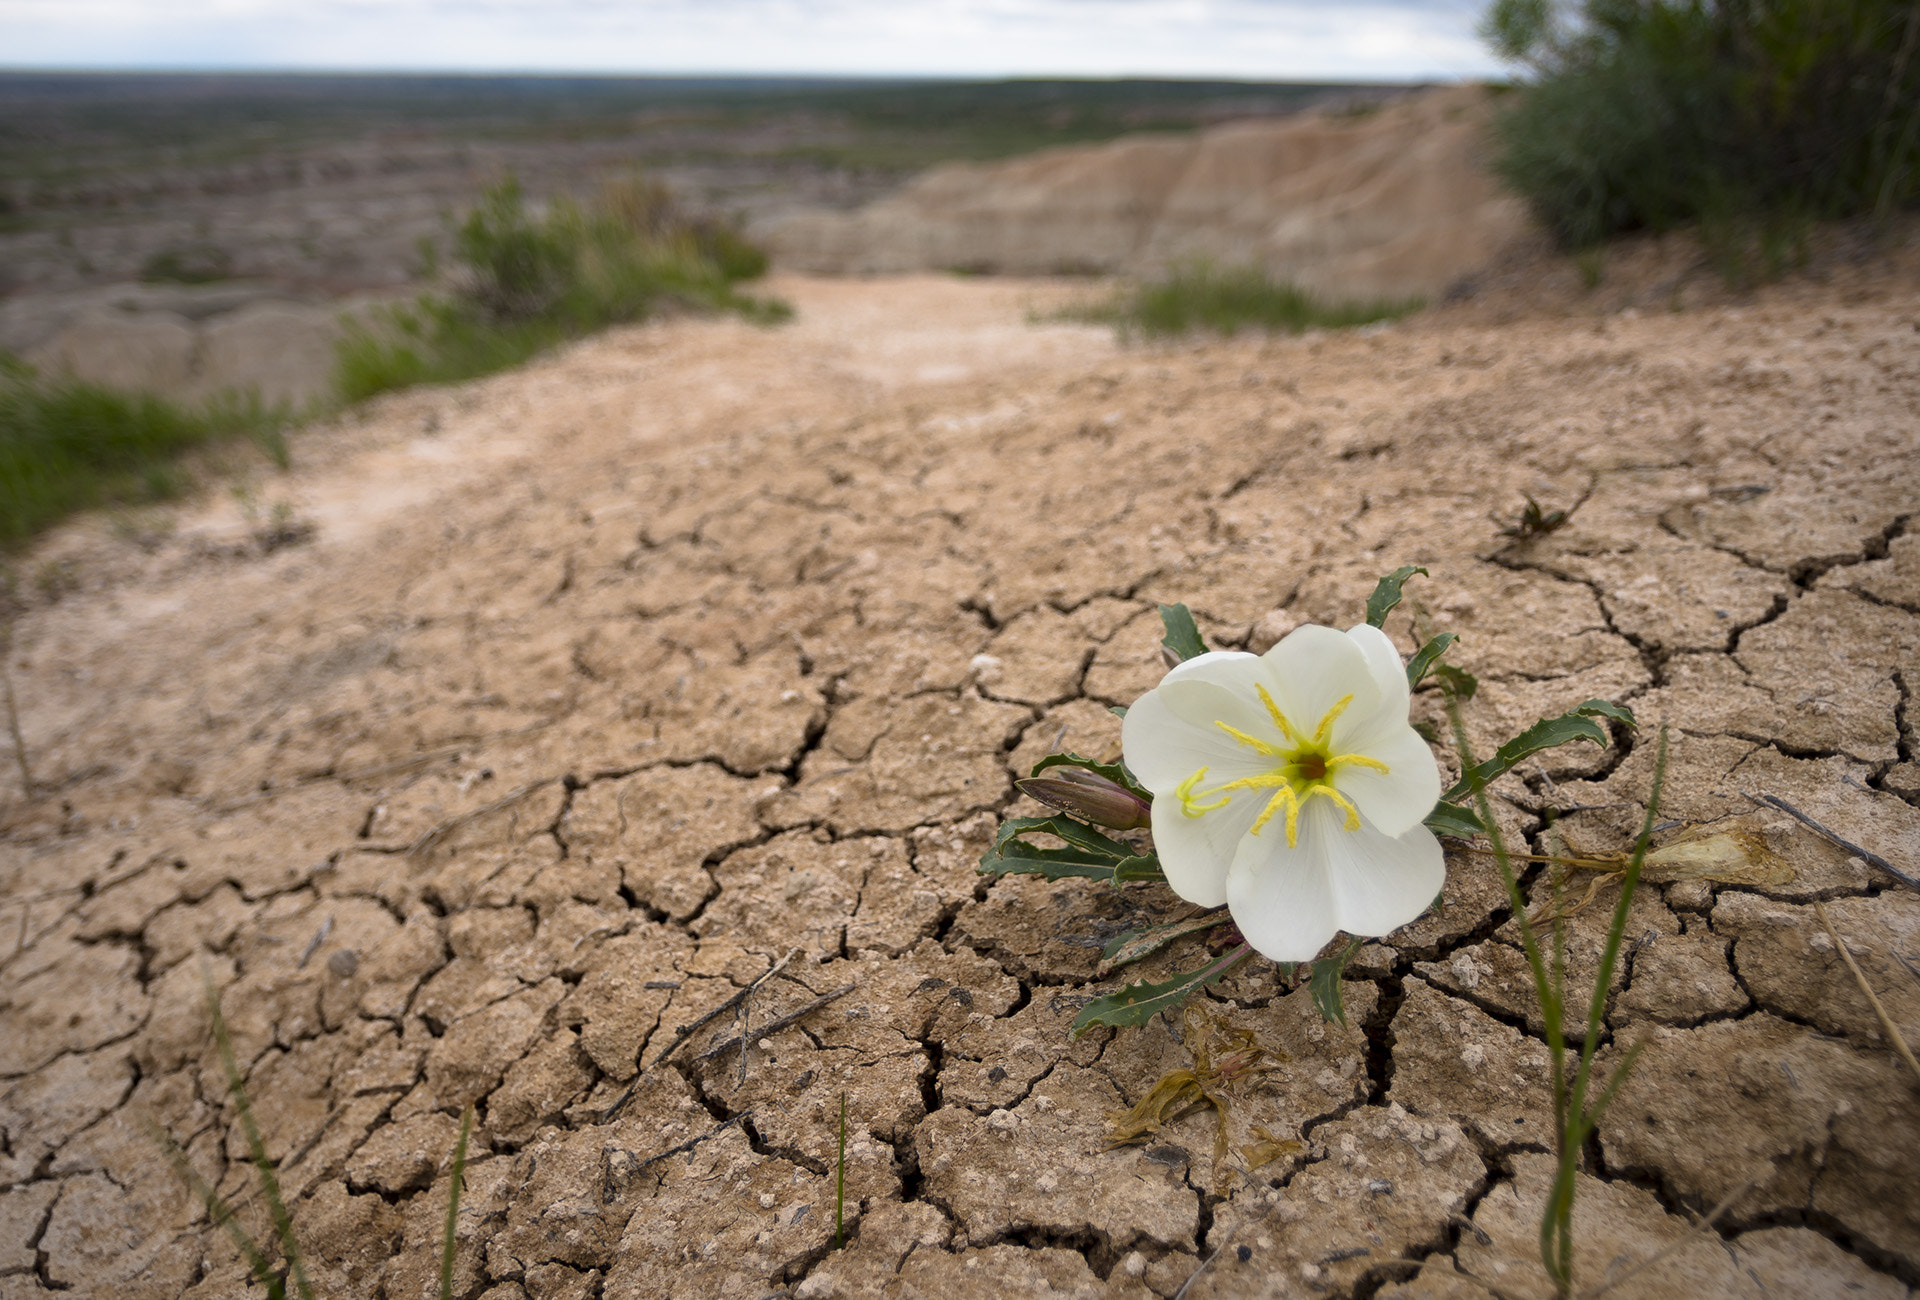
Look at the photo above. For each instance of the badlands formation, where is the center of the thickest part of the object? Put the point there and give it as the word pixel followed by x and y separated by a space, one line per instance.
pixel 602 686
pixel 1388 200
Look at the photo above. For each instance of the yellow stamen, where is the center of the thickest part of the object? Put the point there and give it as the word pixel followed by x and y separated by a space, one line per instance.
pixel 1306 768
pixel 1356 760
pixel 1251 742
pixel 1279 718
pixel 1184 792
pixel 1324 731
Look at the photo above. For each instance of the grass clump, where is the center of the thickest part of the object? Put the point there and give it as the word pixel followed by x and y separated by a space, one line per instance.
pixel 1752 118
pixel 67 445
pixel 525 282
pixel 1227 300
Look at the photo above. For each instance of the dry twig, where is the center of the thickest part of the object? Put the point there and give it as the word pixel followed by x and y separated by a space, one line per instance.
pixel 1874 859
pixel 1886 1021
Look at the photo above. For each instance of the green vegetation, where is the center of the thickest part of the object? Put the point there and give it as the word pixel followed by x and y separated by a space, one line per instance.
pixel 1222 300
pixel 527 283
pixel 67 445
pixel 1752 118
pixel 196 264
pixel 222 1213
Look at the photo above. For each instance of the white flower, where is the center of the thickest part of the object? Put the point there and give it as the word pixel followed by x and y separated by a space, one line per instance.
pixel 1291 787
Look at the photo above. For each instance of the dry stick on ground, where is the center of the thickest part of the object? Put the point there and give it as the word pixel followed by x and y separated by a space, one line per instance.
pixel 13 710
pixel 695 1026
pixel 1886 1021
pixel 439 833
pixel 1700 1229
pixel 774 1026
pixel 1774 801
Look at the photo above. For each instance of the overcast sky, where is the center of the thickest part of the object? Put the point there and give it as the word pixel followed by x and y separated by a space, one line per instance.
pixel 1262 39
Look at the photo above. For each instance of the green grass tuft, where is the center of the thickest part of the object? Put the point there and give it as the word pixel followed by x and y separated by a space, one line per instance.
pixel 66 445
pixel 529 282
pixel 1225 301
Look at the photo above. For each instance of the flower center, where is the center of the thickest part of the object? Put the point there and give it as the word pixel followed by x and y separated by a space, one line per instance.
pixel 1306 768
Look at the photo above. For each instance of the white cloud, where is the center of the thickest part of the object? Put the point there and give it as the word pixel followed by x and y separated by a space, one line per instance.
pixel 1231 38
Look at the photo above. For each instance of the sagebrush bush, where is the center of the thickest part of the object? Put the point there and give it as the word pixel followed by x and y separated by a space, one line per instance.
pixel 1743 115
pixel 525 282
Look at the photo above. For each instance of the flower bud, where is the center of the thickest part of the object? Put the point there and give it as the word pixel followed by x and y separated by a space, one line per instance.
pixel 1088 795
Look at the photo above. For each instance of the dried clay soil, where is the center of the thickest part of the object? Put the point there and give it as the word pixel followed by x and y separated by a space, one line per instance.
pixel 603 685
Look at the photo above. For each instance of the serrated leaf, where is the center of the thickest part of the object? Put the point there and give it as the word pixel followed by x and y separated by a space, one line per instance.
pixel 1424 659
pixel 1135 944
pixel 1386 593
pixel 1087 853
pixel 1138 1003
pixel 1183 634
pixel 1324 983
pixel 1620 713
pixel 1114 772
pixel 1145 866
pixel 1452 819
pixel 1457 682
pixel 1576 723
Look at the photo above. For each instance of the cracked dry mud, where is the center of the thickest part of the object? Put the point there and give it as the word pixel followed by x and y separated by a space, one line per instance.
pixel 608 683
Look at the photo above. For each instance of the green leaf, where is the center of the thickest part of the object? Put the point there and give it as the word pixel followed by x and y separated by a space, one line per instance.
pixel 1117 710
pixel 1620 713
pixel 1428 655
pixel 1548 733
pixel 1114 772
pixel 1457 682
pixel 1135 944
pixel 1145 866
pixel 1325 984
pixel 1386 593
pixel 1138 1003
pixel 1452 819
pixel 1183 634
pixel 1088 853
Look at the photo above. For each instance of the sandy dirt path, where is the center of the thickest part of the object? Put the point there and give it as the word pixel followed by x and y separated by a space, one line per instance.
pixel 603 685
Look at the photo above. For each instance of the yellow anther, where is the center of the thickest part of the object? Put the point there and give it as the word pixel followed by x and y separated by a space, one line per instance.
pixel 1252 742
pixel 1279 718
pixel 1284 795
pixel 1353 814
pixel 1305 769
pixel 1357 760
pixel 1184 792
pixel 1324 731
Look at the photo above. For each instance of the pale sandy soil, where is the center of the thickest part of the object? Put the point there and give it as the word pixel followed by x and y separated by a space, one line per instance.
pixel 604 684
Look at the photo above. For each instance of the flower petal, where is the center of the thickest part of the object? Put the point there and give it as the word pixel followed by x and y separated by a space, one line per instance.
pixel 1312 669
pixel 1383 661
pixel 1398 799
pixel 1289 902
pixel 1196 852
pixel 1171 732
pixel 1282 898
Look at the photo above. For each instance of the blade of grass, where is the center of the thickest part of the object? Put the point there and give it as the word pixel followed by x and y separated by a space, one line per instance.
pixel 1581 1122
pixel 1552 1012
pixel 256 1148
pixel 448 1241
pixel 221 1213
pixel 840 1181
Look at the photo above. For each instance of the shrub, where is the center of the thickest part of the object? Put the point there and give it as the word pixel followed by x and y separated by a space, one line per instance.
pixel 1223 300
pixel 1748 116
pixel 525 283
